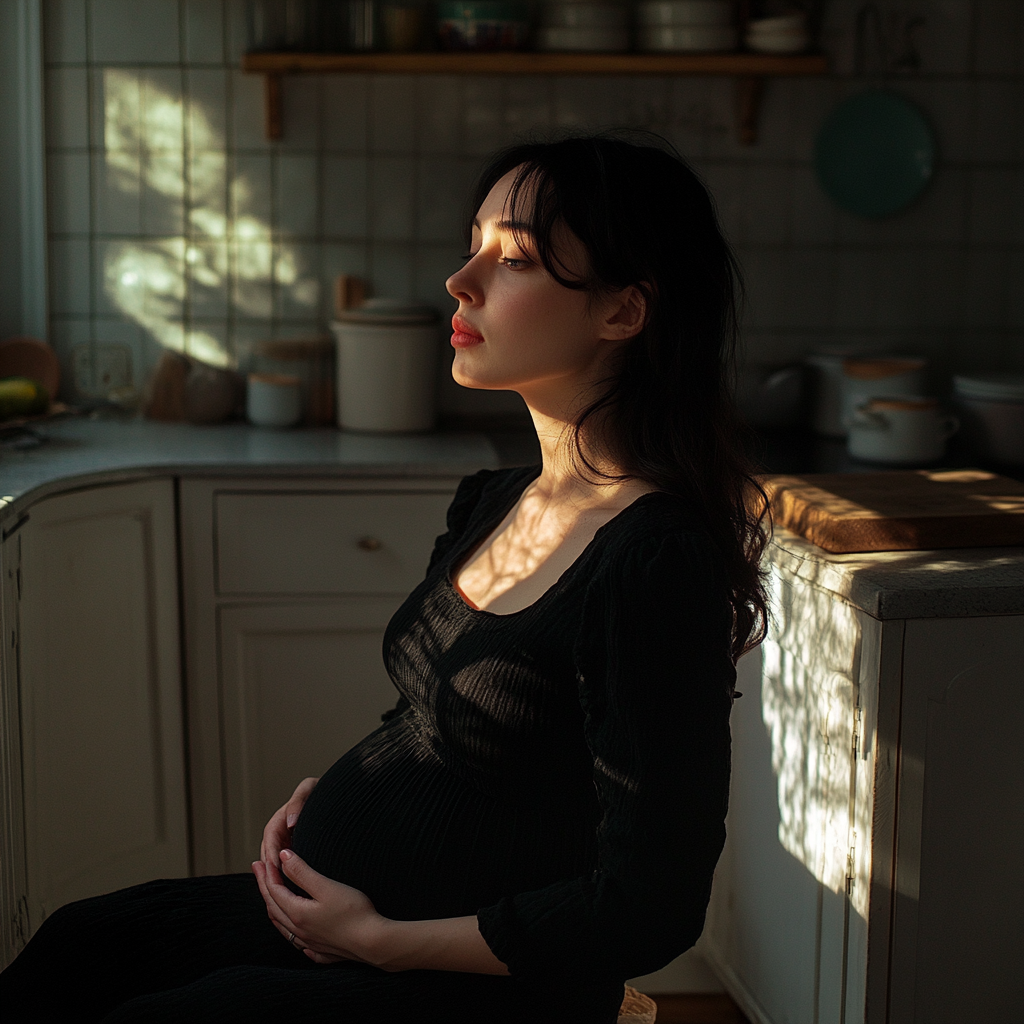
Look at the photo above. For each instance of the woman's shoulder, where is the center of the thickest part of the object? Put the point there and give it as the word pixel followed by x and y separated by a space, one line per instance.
pixel 658 535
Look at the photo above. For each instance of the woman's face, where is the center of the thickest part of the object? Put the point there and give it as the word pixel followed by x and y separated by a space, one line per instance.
pixel 516 327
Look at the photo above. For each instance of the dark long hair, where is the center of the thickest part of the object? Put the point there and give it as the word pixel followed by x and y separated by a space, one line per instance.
pixel 645 219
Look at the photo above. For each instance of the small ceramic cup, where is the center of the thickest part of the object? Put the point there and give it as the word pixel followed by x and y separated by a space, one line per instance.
pixel 273 399
pixel 902 431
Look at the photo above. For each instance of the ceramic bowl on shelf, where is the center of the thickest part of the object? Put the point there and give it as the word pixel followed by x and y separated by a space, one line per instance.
pixel 686 38
pixel 707 13
pixel 583 40
pixel 584 26
pixel 584 14
pixel 786 34
pixel 482 25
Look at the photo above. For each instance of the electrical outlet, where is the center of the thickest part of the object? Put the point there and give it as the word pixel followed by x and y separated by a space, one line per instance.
pixel 113 368
pixel 100 369
pixel 81 360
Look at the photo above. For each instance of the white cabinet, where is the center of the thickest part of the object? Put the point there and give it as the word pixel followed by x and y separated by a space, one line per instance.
pixel 92 676
pixel 288 587
pixel 872 870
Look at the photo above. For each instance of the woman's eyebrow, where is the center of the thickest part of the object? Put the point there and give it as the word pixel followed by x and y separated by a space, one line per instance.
pixel 515 226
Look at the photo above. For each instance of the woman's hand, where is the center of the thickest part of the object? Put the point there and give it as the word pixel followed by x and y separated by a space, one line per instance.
pixel 340 923
pixel 337 923
pixel 277 835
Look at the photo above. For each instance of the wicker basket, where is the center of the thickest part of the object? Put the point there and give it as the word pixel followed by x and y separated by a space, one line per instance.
pixel 637 1008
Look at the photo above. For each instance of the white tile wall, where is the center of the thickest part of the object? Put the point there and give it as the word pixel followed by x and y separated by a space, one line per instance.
pixel 68 193
pixel 204 31
pixel 69 277
pixel 64 32
pixel 173 216
pixel 345 194
pixel 67 108
pixel 999 46
pixel 296 195
pixel 135 31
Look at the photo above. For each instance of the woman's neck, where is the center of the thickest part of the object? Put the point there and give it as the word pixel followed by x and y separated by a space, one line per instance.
pixel 564 479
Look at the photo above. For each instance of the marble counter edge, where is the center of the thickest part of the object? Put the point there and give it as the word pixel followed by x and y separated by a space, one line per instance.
pixel 951 583
pixel 84 455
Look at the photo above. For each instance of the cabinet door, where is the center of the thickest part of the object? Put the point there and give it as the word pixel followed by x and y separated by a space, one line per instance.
pixel 958 921
pixel 302 683
pixel 13 909
pixel 102 745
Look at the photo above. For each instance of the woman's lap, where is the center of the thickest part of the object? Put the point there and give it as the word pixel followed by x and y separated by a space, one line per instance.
pixel 202 950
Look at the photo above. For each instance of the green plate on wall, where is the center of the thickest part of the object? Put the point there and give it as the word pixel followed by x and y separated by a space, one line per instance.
pixel 875 154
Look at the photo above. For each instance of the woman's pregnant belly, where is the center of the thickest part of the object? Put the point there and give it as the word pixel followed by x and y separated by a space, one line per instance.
pixel 390 819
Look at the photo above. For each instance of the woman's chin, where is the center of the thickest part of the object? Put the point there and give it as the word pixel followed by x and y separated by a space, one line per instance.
pixel 478 383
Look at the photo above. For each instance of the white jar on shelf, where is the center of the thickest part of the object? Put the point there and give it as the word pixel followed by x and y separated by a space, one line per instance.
pixel 387 367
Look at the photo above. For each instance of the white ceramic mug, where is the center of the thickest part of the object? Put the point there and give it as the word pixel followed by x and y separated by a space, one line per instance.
pixel 902 431
pixel 273 399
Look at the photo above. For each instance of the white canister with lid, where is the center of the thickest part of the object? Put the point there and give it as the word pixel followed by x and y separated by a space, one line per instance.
pixel 992 408
pixel 826 366
pixel 387 365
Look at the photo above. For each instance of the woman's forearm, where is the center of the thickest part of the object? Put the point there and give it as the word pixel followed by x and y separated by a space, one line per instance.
pixel 448 944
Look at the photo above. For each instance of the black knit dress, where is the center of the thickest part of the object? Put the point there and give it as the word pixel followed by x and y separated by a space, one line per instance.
pixel 561 772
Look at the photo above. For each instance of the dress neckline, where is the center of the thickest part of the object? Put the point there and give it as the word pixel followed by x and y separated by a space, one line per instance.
pixel 463 548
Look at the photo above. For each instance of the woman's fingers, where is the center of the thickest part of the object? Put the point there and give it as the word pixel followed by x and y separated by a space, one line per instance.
pixel 298 800
pixel 280 917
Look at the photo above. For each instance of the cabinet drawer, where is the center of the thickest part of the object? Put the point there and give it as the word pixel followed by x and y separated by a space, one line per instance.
pixel 295 543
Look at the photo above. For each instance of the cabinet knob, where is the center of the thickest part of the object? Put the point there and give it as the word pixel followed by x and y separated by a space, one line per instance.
pixel 369 544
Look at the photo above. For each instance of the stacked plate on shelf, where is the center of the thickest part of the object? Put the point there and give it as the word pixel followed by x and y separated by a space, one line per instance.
pixel 584 26
pixel 686 26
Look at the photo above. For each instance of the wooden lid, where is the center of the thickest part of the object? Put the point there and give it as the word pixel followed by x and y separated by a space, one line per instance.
pixel 879 369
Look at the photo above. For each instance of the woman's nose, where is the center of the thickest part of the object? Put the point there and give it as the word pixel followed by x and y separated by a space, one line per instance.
pixel 461 286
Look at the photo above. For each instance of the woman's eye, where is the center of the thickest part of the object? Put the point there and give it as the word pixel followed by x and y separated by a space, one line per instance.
pixel 513 264
pixel 466 256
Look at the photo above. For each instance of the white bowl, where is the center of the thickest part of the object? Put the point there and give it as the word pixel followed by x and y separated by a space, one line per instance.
pixel 778 42
pixel 584 14
pixel 583 40
pixel 686 38
pixel 710 13
pixel 783 23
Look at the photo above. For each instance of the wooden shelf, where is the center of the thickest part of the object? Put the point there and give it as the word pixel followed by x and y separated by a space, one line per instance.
pixel 749 69
pixel 510 63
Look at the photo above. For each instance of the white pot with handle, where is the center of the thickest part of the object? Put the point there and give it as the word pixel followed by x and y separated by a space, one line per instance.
pixel 902 431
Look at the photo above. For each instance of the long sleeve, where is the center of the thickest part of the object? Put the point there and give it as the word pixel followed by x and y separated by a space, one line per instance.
pixel 655 682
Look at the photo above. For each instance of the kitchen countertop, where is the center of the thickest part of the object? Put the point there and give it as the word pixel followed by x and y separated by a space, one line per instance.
pixel 84 452
pixel 81 452
pixel 951 583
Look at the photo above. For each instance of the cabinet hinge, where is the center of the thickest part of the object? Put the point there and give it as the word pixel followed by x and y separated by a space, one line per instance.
pixel 858 717
pixel 851 867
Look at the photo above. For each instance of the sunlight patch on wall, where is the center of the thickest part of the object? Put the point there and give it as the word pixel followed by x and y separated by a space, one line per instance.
pixel 157 282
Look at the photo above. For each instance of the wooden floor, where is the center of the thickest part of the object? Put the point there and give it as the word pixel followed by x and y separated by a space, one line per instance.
pixel 698 1009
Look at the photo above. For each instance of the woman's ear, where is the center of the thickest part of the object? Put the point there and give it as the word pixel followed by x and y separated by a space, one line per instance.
pixel 625 314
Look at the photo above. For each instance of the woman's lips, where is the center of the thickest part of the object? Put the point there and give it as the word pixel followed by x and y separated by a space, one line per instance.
pixel 463 335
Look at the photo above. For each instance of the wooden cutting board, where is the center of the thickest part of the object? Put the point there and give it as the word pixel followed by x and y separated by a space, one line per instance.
pixel 909 510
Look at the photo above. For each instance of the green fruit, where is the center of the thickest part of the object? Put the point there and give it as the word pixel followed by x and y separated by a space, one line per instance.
pixel 20 396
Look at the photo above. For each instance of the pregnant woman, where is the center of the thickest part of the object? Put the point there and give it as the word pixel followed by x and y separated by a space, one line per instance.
pixel 539 817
